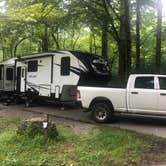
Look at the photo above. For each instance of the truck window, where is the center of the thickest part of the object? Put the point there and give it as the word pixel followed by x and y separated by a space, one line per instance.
pixel 33 66
pixel 162 82
pixel 144 82
pixel 9 74
pixel 65 66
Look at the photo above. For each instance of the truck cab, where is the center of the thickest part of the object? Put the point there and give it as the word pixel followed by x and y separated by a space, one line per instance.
pixel 146 94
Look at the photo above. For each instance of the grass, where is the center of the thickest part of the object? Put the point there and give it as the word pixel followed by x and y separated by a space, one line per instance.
pixel 107 147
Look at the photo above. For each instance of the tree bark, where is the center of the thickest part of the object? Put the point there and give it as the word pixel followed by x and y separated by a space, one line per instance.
pixel 16 45
pixel 158 36
pixel 90 43
pixel 56 41
pixel 3 53
pixel 45 40
pixel 128 37
pixel 138 35
pixel 124 45
pixel 104 37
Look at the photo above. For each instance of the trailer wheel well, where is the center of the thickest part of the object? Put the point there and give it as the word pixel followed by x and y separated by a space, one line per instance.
pixel 102 100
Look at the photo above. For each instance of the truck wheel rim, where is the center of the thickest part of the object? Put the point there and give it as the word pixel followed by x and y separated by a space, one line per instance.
pixel 101 114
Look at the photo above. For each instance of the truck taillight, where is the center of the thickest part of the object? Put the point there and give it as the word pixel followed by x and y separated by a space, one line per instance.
pixel 78 94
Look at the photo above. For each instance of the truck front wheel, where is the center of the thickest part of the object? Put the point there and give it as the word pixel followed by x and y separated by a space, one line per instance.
pixel 101 112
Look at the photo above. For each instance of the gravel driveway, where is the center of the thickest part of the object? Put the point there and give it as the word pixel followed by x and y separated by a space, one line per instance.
pixel 81 120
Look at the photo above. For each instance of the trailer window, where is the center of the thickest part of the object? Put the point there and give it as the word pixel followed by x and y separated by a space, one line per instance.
pixel 144 82
pixel 9 74
pixel 162 81
pixel 100 66
pixel 65 66
pixel 33 66
pixel 23 73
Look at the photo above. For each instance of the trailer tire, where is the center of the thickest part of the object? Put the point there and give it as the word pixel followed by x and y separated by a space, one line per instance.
pixel 102 112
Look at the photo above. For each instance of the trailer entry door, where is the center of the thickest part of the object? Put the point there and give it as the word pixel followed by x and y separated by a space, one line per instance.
pixel 20 86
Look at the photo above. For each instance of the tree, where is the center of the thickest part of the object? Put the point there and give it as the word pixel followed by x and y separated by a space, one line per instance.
pixel 138 35
pixel 125 41
pixel 158 36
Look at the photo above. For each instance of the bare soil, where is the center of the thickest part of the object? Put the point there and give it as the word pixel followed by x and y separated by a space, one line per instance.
pixel 19 112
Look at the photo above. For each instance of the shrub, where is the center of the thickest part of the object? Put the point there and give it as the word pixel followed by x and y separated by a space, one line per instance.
pixel 31 129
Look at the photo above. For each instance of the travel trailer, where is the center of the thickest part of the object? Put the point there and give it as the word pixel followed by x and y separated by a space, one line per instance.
pixel 55 75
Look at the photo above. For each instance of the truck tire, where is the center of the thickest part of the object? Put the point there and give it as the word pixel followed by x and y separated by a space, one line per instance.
pixel 101 112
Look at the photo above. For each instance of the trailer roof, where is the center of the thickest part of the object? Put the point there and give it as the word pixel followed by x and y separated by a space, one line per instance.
pixel 76 53
pixel 9 61
pixel 37 55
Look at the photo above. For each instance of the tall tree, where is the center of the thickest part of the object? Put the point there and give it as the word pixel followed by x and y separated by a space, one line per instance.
pixel 138 35
pixel 125 40
pixel 158 36
pixel 105 38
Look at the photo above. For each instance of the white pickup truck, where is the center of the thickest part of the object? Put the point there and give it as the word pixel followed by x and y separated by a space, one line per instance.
pixel 144 95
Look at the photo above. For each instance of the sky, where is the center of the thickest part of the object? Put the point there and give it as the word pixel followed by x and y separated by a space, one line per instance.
pixel 2 3
pixel 164 9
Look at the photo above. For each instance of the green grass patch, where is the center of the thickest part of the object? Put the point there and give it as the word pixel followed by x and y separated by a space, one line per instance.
pixel 108 146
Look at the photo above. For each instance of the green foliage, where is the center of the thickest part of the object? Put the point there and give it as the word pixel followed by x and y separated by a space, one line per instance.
pixel 31 129
pixel 43 25
pixel 108 146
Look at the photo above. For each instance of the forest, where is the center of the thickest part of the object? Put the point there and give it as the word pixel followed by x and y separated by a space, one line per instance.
pixel 130 34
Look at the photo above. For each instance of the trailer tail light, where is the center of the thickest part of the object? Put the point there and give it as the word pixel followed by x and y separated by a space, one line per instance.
pixel 78 94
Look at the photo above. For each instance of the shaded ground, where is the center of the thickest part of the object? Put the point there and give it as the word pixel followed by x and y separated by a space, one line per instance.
pixel 20 112
pixel 155 126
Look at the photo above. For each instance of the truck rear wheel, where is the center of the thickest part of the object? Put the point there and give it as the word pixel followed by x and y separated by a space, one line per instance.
pixel 102 112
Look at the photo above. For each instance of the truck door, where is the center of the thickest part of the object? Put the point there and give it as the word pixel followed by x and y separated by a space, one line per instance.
pixel 142 97
pixel 162 94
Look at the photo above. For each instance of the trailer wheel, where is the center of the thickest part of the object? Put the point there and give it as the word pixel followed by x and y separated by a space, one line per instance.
pixel 101 112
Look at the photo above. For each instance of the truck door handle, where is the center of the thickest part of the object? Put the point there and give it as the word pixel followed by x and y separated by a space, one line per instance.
pixel 134 93
pixel 162 94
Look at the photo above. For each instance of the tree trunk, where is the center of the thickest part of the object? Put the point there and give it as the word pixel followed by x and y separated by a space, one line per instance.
pixel 45 40
pixel 104 37
pixel 138 35
pixel 16 45
pixel 90 42
pixel 128 37
pixel 124 46
pixel 11 50
pixel 122 64
pixel 56 41
pixel 158 36
pixel 3 53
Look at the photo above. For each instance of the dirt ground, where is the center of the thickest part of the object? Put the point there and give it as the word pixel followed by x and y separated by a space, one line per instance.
pixel 19 112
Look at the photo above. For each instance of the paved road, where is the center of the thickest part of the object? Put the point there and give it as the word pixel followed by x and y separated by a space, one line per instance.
pixel 153 126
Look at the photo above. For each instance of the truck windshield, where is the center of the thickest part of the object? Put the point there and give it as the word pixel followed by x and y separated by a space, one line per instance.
pixel 100 66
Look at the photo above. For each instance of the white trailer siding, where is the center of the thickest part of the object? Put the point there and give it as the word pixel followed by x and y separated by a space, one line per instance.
pixel 40 79
pixel 59 80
